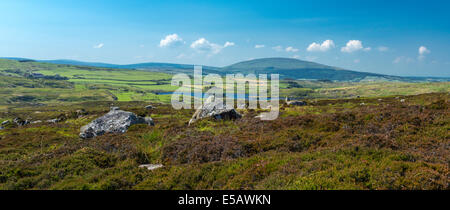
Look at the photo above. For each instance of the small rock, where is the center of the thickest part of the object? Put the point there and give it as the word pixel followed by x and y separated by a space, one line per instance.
pixel 115 121
pixel 1 128
pixel 362 104
pixel 402 100
pixel 20 122
pixel 80 112
pixel 149 107
pixel 151 166
pixel 295 103
pixel 35 122
pixel 53 120
pixel 215 110
pixel 5 122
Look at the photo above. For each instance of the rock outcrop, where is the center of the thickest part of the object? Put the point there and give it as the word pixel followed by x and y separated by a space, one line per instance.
pixel 115 121
pixel 295 103
pixel 215 110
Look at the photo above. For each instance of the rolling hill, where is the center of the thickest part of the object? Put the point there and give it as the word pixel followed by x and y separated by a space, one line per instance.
pixel 286 67
pixel 298 69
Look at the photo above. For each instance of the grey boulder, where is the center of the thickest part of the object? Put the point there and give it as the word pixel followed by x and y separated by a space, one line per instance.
pixel 215 109
pixel 20 122
pixel 115 121
pixel 295 103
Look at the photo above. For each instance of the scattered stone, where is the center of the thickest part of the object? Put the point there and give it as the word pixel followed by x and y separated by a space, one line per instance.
pixel 1 128
pixel 56 120
pixel 114 108
pixel 115 121
pixel 216 110
pixel 20 122
pixel 80 113
pixel 402 100
pixel 5 122
pixel 149 107
pixel 295 103
pixel 362 104
pixel 35 122
pixel 151 166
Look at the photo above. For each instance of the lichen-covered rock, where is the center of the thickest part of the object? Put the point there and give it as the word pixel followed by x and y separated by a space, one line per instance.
pixel 115 121
pixel 215 110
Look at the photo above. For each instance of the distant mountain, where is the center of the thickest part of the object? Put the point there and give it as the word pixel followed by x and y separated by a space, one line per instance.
pixel 80 63
pixel 298 69
pixel 157 67
pixel 285 67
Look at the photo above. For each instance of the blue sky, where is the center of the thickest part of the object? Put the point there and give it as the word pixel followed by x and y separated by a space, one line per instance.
pixel 410 38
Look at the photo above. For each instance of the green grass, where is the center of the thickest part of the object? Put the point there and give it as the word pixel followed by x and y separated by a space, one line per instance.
pixel 83 84
pixel 329 144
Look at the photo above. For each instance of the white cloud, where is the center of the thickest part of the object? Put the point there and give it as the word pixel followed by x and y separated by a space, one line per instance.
pixel 356 61
pixel 291 49
pixel 422 52
pixel 353 46
pixel 367 49
pixel 98 46
pixel 228 44
pixel 278 48
pixel 296 56
pixel 383 48
pixel 203 45
pixel 325 46
pixel 171 40
pixel 259 46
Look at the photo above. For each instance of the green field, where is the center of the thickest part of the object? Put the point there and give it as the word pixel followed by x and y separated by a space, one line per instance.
pixel 350 135
pixel 103 84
